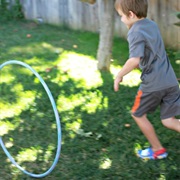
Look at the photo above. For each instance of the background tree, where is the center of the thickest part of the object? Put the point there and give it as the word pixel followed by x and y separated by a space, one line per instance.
pixel 106 26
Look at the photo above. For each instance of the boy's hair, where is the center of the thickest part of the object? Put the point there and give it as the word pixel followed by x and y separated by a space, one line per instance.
pixel 138 7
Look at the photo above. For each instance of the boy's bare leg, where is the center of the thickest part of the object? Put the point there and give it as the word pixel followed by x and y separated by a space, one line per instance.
pixel 172 123
pixel 149 132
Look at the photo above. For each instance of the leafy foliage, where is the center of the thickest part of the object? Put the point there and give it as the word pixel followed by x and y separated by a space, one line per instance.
pixel 178 16
pixel 11 10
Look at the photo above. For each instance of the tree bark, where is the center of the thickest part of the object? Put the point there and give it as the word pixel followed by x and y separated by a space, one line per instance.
pixel 89 1
pixel 106 14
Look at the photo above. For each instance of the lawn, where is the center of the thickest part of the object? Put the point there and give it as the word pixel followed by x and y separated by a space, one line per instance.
pixel 99 136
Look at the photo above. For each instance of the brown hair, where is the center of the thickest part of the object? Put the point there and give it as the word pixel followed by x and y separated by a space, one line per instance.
pixel 138 7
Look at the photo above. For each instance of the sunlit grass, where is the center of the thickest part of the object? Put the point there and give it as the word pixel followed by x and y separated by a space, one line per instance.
pixel 105 163
pixel 73 127
pixel 80 67
pixel 5 127
pixel 23 102
pixel 178 62
pixel 6 78
pixel 49 153
pixel 131 80
pixel 92 102
pixel 83 70
pixel 29 154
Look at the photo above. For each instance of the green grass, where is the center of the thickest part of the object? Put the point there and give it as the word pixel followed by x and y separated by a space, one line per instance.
pixel 96 143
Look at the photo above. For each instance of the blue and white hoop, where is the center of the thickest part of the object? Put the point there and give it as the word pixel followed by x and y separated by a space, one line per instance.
pixel 57 123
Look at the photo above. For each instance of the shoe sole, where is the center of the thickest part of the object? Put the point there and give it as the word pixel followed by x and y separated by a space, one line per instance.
pixel 158 157
pixel 162 156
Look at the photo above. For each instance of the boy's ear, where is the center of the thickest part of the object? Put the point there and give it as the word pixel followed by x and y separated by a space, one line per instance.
pixel 131 14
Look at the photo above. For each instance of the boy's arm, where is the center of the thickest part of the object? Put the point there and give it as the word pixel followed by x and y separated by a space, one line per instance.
pixel 130 64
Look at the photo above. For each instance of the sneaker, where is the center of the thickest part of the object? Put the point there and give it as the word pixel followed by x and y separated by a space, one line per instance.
pixel 150 154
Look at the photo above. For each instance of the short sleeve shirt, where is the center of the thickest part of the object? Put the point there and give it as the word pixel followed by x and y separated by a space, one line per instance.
pixel 145 41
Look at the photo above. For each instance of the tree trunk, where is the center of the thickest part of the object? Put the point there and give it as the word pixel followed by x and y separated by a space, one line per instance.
pixel 89 1
pixel 106 19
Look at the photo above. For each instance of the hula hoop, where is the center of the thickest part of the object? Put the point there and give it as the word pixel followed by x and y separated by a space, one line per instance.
pixel 57 123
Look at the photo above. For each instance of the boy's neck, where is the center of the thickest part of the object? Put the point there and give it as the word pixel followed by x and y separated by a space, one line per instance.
pixel 135 20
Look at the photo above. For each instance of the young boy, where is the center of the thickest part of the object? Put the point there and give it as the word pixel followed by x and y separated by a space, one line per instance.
pixel 159 84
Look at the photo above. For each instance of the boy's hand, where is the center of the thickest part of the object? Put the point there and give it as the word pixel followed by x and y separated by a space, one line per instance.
pixel 127 68
pixel 116 83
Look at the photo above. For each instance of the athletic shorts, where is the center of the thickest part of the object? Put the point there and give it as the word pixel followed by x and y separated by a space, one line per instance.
pixel 147 102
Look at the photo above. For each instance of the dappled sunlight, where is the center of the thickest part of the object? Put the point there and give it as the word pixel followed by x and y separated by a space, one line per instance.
pixel 36 53
pixel 83 71
pixel 6 78
pixel 9 144
pixel 14 99
pixel 81 67
pixel 33 48
pixel 57 50
pixel 95 101
pixel 89 101
pixel 28 132
pixel 162 177
pixel 33 154
pixel 73 128
pixel 70 102
pixel 28 154
pixel 78 66
pixel 132 79
pixel 178 62
pixel 105 163
pixel 49 152
pixel 5 127
pixel 23 102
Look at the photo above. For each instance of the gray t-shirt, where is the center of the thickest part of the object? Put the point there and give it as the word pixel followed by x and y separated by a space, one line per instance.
pixel 145 41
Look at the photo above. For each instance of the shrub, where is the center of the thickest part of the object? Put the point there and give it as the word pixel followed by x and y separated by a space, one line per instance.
pixel 11 10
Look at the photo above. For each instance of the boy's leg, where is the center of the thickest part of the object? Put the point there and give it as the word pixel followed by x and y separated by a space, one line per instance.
pixel 149 132
pixel 172 123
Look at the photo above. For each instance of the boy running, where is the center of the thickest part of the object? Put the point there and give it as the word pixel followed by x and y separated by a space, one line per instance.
pixel 159 84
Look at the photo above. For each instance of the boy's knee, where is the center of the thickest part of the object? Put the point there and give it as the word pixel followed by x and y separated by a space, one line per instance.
pixel 133 116
pixel 172 123
pixel 167 122
pixel 136 117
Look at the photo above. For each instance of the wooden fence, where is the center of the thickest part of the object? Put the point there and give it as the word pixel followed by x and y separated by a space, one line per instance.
pixel 83 16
